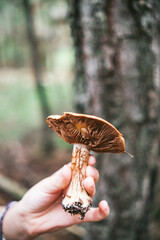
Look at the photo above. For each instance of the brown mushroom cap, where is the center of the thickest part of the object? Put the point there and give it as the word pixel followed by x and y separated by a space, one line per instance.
pixel 98 134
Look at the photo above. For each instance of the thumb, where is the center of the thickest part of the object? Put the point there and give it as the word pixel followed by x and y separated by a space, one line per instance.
pixel 56 182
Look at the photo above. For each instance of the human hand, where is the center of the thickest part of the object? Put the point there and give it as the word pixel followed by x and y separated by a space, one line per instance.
pixel 40 210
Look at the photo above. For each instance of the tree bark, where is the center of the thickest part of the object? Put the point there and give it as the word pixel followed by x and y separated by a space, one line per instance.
pixel 37 70
pixel 117 70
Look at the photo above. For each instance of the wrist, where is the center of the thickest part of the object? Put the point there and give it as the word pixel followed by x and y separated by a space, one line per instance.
pixel 14 225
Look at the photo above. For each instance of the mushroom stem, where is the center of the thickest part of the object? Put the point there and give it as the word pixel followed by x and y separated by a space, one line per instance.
pixel 76 200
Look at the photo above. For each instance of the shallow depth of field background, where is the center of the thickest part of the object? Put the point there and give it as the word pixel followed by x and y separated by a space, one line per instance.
pixel 37 79
pixel 20 111
pixel 23 157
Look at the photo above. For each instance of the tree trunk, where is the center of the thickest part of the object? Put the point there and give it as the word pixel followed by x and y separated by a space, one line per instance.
pixel 37 70
pixel 117 78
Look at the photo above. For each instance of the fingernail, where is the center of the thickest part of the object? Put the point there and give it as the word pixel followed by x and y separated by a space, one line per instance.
pixel 92 159
pixel 105 203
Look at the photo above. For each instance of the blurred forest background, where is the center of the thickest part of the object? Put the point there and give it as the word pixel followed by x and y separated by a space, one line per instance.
pixel 98 57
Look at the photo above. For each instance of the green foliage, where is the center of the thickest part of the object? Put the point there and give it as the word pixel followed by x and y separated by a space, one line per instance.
pixel 13 47
pixel 20 111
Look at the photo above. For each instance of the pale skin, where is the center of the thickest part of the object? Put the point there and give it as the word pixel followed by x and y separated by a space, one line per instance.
pixel 40 211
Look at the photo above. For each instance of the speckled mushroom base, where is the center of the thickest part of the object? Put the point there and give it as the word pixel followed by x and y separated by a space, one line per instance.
pixel 76 200
pixel 76 208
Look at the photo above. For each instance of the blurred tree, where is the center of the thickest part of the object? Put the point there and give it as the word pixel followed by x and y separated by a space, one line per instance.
pixel 37 70
pixel 117 77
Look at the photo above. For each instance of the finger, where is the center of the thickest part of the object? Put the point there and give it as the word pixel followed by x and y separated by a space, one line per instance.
pixel 92 172
pixel 89 186
pixel 99 213
pixel 92 160
pixel 65 219
pixel 56 182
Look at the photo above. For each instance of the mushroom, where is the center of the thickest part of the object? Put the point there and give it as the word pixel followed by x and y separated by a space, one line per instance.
pixel 86 133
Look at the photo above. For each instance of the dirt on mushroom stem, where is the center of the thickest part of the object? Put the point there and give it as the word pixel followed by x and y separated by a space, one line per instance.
pixel 76 200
